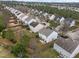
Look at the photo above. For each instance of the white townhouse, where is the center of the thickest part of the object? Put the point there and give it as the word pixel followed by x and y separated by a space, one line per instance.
pixel 20 16
pixel 68 47
pixel 47 35
pixel 59 19
pixel 25 17
pixel 69 22
pixel 29 20
pixel 15 12
pixel 12 11
pixel 52 17
pixel 35 26
pixel 40 12
pixel 45 14
pixel 36 11
pixel 7 8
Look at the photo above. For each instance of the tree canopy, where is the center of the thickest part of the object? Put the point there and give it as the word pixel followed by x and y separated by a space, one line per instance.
pixel 20 49
pixel 53 10
pixel 9 34
pixel 2 26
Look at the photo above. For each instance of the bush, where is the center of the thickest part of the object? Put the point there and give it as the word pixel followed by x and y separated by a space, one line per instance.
pixel 37 36
pixel 18 50
pixel 53 24
pixel 27 27
pixel 2 26
pixel 9 35
pixel 25 40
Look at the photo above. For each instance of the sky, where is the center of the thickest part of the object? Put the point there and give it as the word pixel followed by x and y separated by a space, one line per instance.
pixel 46 0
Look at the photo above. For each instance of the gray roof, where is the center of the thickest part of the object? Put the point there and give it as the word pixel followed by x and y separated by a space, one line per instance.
pixel 18 13
pixel 68 21
pixel 46 31
pixel 22 16
pixel 28 19
pixel 69 44
pixel 57 17
pixel 42 18
pixel 34 24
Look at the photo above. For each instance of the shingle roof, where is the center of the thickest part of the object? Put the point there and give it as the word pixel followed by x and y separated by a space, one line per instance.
pixel 16 11
pixel 57 17
pixel 46 31
pixel 22 15
pixel 34 24
pixel 69 44
pixel 68 21
pixel 28 19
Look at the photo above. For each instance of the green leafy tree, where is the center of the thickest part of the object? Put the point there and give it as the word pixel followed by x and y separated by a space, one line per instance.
pixel 25 40
pixel 19 50
pixel 9 34
pixel 2 26
pixel 53 10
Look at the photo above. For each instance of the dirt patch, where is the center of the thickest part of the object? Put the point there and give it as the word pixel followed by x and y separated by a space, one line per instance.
pixel 5 42
pixel 4 53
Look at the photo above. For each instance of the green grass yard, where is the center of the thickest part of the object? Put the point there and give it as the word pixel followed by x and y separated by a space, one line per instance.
pixel 4 53
pixel 53 24
pixel 48 53
pixel 41 50
pixel 77 56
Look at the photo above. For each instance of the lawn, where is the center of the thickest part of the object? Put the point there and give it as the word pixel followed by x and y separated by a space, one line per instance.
pixel 4 53
pixel 53 24
pixel 38 49
pixel 1 20
pixel 73 28
pixel 49 53
pixel 2 26
pixel 77 56
pixel 77 23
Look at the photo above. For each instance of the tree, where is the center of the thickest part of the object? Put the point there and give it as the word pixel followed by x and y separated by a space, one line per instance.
pixel 2 26
pixel 25 40
pixel 53 10
pixel 9 35
pixel 19 50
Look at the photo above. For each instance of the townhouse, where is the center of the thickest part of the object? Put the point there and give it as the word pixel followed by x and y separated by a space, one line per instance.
pixel 69 22
pixel 68 47
pixel 35 26
pixel 47 34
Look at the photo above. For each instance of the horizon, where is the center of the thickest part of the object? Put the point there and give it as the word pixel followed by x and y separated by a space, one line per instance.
pixel 55 1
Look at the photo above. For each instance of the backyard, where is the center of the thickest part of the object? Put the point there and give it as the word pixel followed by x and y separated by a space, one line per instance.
pixel 77 56
pixel 37 49
pixel 53 24
pixel 29 42
pixel 5 53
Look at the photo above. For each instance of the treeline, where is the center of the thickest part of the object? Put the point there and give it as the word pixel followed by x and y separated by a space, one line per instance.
pixel 2 26
pixel 53 10
pixel 19 48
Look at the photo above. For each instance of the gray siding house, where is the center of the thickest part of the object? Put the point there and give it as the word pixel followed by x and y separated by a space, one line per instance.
pixel 47 35
pixel 68 47
pixel 69 22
